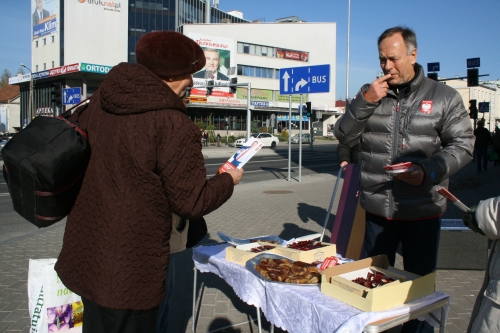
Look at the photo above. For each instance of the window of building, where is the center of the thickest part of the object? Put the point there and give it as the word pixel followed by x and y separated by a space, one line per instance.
pixel 53 39
pixel 36 68
pixel 36 44
pixel 45 41
pixel 52 64
pixel 44 66
pixel 253 71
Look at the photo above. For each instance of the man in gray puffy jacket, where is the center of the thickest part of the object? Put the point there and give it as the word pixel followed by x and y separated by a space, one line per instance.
pixel 405 117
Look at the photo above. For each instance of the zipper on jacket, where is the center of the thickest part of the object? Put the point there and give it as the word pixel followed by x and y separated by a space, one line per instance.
pixel 395 148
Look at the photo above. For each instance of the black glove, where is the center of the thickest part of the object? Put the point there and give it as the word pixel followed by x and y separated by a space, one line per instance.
pixel 470 221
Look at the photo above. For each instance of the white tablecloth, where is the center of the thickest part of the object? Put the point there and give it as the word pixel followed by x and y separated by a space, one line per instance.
pixel 301 309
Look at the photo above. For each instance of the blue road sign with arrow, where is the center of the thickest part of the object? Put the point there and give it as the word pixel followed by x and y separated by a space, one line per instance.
pixel 305 80
pixel 72 96
pixel 433 66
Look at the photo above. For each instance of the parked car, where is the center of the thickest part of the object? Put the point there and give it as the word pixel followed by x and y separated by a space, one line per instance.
pixel 267 139
pixel 306 138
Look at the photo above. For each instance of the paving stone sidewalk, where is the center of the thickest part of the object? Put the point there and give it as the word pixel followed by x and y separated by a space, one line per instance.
pixel 278 207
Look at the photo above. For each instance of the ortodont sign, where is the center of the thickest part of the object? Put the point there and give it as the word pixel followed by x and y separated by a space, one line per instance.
pixel 91 68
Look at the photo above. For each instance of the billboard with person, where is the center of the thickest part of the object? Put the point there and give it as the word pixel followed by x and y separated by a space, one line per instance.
pixel 219 54
pixel 44 19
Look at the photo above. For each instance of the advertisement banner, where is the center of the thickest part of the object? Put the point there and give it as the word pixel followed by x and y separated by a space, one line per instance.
pixel 19 78
pixel 285 98
pixel 295 117
pixel 95 32
pixel 41 75
pixel 44 20
pixel 292 55
pixel 92 68
pixel 219 53
pixel 260 94
pixel 64 69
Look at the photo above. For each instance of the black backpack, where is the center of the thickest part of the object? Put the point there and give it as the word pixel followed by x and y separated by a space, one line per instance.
pixel 44 165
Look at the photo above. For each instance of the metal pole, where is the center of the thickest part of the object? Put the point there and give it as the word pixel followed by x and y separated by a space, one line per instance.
pixel 29 112
pixel 348 52
pixel 249 114
pixel 300 139
pixel 289 135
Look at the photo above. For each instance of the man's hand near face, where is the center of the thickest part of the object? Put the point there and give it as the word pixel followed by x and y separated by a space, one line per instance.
pixel 378 89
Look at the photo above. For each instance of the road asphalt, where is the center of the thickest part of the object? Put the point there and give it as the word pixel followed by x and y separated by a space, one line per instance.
pixel 279 207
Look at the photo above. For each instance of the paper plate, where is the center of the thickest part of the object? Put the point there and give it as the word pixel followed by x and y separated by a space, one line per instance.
pixel 250 265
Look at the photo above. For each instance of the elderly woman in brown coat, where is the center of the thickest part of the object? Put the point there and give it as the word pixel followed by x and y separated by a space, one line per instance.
pixel 146 164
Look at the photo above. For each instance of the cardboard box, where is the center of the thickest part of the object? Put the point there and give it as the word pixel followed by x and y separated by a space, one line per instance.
pixel 242 253
pixel 345 280
pixel 377 299
pixel 310 256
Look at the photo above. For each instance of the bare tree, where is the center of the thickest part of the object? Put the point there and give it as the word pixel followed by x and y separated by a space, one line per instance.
pixel 4 79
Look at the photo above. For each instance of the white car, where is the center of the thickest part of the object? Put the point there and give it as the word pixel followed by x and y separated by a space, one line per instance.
pixel 267 139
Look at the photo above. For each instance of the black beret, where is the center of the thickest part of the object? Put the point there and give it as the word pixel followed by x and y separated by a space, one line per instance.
pixel 169 54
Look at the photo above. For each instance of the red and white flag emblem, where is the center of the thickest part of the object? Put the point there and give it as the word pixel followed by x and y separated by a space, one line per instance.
pixel 426 107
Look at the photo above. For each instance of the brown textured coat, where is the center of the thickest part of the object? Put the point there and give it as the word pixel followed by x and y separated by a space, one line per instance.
pixel 146 164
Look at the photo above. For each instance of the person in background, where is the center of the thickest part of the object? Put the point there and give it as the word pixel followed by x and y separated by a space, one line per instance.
pixel 218 139
pixel 213 66
pixel 483 140
pixel 485 219
pixel 496 145
pixel 205 138
pixel 116 244
pixel 405 117
pixel 39 14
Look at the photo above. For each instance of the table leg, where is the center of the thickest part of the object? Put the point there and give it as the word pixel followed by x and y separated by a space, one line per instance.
pixel 194 298
pixel 442 322
pixel 258 319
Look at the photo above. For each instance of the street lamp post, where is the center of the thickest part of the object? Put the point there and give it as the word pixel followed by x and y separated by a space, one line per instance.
pixel 29 113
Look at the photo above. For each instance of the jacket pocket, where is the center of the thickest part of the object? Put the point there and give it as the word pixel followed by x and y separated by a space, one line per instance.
pixel 492 291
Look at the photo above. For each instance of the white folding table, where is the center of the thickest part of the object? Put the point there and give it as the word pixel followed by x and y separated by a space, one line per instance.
pixel 305 309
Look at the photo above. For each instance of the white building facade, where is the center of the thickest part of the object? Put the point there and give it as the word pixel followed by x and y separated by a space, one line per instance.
pixel 255 54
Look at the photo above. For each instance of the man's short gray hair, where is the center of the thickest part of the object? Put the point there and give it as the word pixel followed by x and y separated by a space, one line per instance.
pixel 408 36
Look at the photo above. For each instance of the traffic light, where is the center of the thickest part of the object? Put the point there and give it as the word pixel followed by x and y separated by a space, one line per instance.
pixel 55 93
pixel 432 76
pixel 472 77
pixel 308 109
pixel 473 108
pixel 210 87
pixel 234 80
